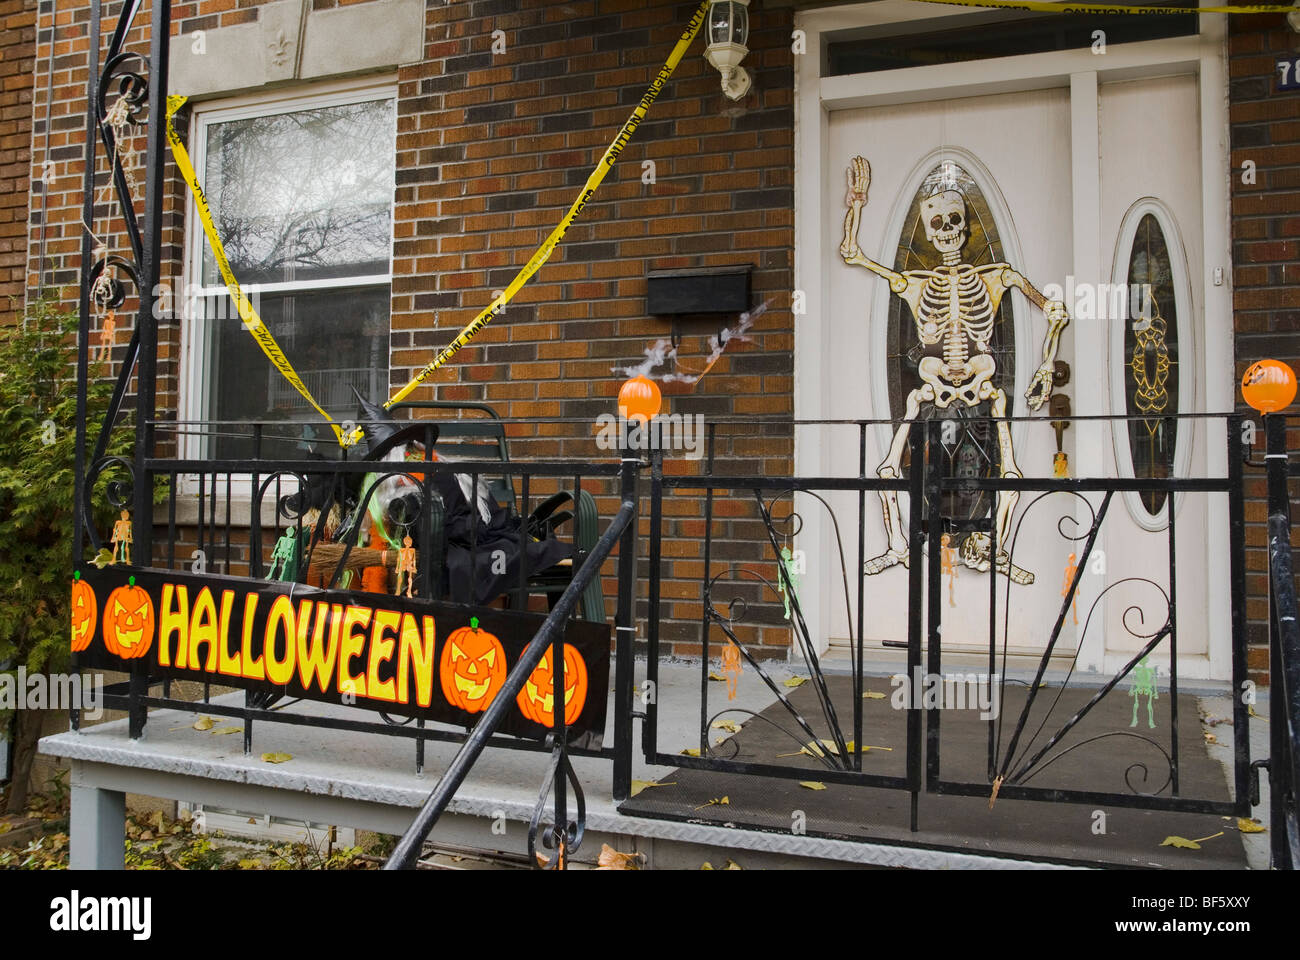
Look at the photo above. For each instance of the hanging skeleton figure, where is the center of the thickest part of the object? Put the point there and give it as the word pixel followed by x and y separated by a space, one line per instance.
pixel 954 308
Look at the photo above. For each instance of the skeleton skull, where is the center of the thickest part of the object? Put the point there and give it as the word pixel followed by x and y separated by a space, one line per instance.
pixel 944 216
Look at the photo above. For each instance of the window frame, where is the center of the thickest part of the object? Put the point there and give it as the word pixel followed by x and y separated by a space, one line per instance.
pixel 194 386
pixel 1185 306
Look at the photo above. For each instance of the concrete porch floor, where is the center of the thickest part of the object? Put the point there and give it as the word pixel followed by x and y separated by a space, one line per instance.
pixel 369 782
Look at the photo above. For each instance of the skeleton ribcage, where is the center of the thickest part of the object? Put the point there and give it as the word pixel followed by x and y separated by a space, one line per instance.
pixel 957 311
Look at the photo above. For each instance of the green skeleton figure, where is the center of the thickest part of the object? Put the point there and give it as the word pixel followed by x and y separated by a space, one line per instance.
pixel 285 556
pixel 1144 682
pixel 791 577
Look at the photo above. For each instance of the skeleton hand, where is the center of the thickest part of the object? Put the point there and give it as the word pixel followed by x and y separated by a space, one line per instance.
pixel 859 172
pixel 1040 388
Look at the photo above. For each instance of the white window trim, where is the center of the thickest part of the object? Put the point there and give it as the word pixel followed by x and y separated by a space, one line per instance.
pixel 1185 307
pixel 1080 71
pixel 193 387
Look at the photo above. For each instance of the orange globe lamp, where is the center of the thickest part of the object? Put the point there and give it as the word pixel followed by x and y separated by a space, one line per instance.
pixel 1268 385
pixel 639 399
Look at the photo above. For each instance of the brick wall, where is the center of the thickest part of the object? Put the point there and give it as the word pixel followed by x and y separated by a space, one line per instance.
pixel 17 75
pixel 1265 130
pixel 491 149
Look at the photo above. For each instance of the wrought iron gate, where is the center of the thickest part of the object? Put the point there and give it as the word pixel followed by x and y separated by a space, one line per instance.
pixel 1045 725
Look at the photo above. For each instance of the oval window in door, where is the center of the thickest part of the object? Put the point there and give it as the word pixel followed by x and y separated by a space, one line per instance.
pixel 1150 370
pixel 975 450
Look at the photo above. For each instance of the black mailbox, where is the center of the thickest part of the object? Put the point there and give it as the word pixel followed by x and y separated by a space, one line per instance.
pixel 707 290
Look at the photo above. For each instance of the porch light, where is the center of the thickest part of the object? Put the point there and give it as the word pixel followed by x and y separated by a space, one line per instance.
pixel 728 31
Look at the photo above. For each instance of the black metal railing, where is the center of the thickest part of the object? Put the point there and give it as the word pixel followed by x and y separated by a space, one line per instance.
pixel 1044 723
pixel 564 835
pixel 1284 656
pixel 222 516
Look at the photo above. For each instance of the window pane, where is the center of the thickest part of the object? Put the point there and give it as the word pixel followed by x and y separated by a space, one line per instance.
pixel 1000 38
pixel 303 196
pixel 974 451
pixel 1151 358
pixel 335 339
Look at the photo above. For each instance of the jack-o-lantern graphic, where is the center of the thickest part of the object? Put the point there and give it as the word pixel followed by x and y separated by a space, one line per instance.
pixel 84 614
pixel 472 668
pixel 536 700
pixel 129 622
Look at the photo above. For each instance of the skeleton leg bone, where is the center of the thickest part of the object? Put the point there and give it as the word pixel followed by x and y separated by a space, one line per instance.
pixel 975 551
pixel 891 469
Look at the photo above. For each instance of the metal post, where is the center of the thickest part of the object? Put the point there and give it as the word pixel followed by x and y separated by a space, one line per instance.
pixel 625 639
pixel 1279 770
pixel 1237 576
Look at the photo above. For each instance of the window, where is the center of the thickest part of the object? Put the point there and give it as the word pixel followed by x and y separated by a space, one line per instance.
pixel 1150 265
pixel 301 192
pixel 993 34
pixel 974 451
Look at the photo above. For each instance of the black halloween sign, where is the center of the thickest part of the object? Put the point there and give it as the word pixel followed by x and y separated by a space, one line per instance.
pixel 408 657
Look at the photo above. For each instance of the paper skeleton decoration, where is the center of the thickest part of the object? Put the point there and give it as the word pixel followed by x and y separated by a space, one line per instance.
pixel 954 308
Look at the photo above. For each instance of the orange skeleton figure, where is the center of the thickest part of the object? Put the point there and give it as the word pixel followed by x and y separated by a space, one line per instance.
pixel 121 539
pixel 946 565
pixel 106 333
pixel 731 666
pixel 405 565
pixel 1071 568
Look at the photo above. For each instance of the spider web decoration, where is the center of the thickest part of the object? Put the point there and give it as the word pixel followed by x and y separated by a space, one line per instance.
pixel 975 450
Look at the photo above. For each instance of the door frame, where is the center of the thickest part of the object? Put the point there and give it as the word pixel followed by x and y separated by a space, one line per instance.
pixel 1080 71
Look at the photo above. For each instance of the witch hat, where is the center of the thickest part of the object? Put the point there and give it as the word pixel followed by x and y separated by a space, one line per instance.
pixel 383 431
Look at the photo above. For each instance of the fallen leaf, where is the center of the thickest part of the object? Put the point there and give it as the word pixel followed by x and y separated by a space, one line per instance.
pixel 691 752
pixel 1188 844
pixel 718 801
pixel 639 785
pixel 1209 737
pixel 250 864
pixel 1250 826
pixel 221 731
pixel 277 757
pixel 706 865
pixel 717 677
pixel 103 559
pixel 812 784
pixel 146 835
pixel 204 723
pixel 731 726
pixel 611 859
pixel 873 695
pixel 795 681
pixel 732 865
pixel 1251 711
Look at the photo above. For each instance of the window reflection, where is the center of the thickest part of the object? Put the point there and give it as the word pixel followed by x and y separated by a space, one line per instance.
pixel 1151 358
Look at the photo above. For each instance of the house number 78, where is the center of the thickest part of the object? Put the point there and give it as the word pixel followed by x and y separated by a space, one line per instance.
pixel 1288 74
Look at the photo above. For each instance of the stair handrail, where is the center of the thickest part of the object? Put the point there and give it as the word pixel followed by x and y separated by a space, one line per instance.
pixel 407 852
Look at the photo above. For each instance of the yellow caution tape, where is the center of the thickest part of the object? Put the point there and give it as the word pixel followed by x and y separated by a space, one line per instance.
pixel 543 253
pixel 252 321
pixel 1040 6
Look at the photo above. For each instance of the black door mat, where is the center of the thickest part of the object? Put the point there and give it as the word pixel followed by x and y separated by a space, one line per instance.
pixel 1038 830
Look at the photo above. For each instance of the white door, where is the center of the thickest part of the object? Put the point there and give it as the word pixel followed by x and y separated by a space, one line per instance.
pixel 1017 207
pixel 1009 158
